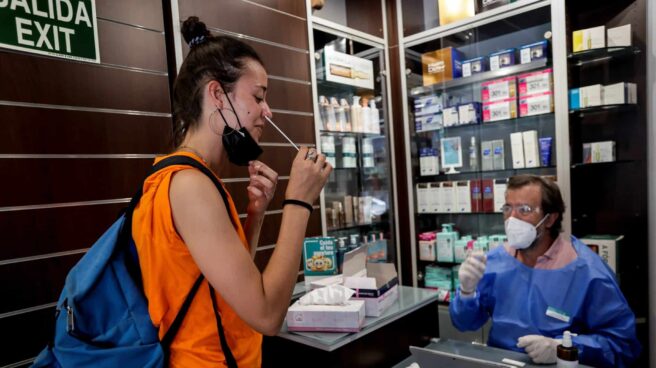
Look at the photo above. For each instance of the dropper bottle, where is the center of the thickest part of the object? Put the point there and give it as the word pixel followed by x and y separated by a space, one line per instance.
pixel 567 355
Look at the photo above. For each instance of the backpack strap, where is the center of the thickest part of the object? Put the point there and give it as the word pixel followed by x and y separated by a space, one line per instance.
pixel 177 322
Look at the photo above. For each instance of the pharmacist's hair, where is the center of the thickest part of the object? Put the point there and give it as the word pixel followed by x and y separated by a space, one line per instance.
pixel 552 200
pixel 220 58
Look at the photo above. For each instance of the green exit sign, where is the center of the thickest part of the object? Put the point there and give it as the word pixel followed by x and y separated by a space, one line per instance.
pixel 59 28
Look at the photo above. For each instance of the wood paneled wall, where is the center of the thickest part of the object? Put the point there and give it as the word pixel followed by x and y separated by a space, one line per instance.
pixel 78 138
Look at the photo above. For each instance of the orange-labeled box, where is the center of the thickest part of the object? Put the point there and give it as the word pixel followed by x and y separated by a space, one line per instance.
pixel 441 65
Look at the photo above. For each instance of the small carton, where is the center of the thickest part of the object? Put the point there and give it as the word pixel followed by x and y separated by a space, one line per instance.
pixel 620 93
pixel 428 105
pixel 450 116
pixel 499 110
pixel 502 59
pixel 588 39
pixel 428 122
pixel 619 36
pixel 535 82
pixel 334 318
pixel 448 13
pixel 574 98
pixel 474 66
pixel 606 246
pixel 372 282
pixel 533 52
pixel 469 113
pixel 536 104
pixel 499 89
pixel 590 96
pixel 441 65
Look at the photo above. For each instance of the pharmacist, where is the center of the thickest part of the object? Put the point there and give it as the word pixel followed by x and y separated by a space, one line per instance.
pixel 543 283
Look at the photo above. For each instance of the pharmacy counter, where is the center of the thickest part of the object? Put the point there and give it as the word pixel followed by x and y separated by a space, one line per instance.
pixel 477 351
pixel 382 341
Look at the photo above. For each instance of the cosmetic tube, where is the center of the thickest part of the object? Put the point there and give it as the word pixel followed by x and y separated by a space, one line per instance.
pixel 545 151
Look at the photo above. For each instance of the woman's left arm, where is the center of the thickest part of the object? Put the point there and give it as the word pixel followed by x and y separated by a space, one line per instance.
pixel 261 188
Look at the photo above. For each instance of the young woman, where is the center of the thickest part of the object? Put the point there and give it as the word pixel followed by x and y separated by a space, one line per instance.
pixel 182 227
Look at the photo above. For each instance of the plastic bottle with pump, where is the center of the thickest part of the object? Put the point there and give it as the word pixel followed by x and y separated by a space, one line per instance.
pixel 567 355
pixel 356 115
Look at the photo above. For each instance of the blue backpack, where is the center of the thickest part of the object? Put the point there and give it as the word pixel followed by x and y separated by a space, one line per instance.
pixel 102 315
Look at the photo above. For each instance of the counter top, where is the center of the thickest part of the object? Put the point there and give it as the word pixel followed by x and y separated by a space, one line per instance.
pixel 410 299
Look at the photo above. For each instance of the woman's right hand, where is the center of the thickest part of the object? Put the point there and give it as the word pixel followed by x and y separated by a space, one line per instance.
pixel 307 177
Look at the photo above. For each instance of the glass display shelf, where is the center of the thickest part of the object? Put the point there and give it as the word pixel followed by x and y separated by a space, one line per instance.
pixel 605 108
pixel 377 224
pixel 479 77
pixel 603 164
pixel 597 55
pixel 330 87
pixel 469 174
pixel 359 134
pixel 491 125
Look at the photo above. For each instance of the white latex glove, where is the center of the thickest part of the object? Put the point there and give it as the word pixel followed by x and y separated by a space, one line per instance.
pixel 541 349
pixel 471 271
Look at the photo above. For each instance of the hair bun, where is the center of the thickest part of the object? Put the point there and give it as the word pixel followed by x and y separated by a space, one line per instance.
pixel 193 29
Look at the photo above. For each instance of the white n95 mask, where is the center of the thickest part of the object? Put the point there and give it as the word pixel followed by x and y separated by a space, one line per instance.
pixel 521 234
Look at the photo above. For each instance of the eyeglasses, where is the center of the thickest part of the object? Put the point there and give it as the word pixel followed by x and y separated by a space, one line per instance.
pixel 522 209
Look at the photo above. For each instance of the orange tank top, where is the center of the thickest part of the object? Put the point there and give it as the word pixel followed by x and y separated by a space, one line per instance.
pixel 169 271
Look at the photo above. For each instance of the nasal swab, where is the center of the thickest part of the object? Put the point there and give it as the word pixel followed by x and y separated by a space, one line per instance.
pixel 281 132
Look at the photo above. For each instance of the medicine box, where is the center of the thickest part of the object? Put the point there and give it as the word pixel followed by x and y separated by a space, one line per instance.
pixel 469 113
pixel 499 110
pixel 422 197
pixel 517 150
pixel 485 5
pixel 619 36
pixel 588 39
pixel 450 12
pixel 606 246
pixel 499 89
pixel 620 93
pixel 498 155
pixel 450 116
pixel 535 82
pixel 441 65
pixel 434 197
pixel 428 105
pixel 428 122
pixel 574 99
pixel 500 186
pixel 502 59
pixel 533 52
pixel 427 246
pixel 590 96
pixel 474 66
pixel 531 148
pixel 428 161
pixel 536 104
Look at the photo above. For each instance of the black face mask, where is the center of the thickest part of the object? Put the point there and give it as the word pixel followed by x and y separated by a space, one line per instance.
pixel 239 144
pixel 241 147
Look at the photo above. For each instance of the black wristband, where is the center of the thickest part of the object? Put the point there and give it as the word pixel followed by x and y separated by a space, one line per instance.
pixel 298 203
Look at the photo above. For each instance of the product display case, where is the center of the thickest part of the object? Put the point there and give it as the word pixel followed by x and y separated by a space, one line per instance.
pixel 353 130
pixel 480 109
pixel 608 139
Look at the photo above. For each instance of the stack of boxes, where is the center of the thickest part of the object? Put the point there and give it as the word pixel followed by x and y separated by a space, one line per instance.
pixel 499 98
pixel 536 93
pixel 465 196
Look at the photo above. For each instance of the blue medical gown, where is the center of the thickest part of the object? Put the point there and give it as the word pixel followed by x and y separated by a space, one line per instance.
pixel 582 297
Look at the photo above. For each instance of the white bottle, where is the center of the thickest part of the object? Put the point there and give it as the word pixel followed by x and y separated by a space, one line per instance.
pixel 473 155
pixel 339 114
pixel 567 355
pixel 332 119
pixel 347 114
pixel 366 116
pixel 356 115
pixel 374 123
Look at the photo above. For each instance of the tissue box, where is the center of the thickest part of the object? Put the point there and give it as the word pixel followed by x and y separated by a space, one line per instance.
pixel 441 65
pixel 474 66
pixel 334 318
pixel 502 59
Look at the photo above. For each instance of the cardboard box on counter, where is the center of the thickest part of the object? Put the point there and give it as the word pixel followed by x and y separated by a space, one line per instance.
pixel 334 318
pixel 374 283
